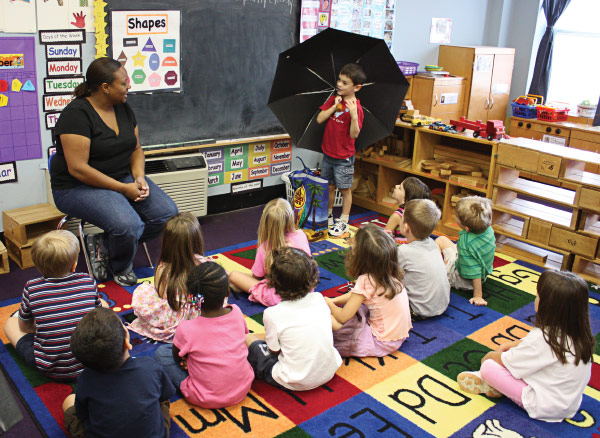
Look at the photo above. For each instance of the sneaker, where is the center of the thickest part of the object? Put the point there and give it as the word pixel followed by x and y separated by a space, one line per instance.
pixel 98 255
pixel 330 221
pixel 340 227
pixel 127 278
pixel 471 382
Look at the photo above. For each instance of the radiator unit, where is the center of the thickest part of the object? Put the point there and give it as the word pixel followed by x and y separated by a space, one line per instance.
pixel 184 178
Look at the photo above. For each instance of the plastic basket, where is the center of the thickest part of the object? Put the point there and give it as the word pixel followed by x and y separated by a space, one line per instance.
pixel 524 110
pixel 289 191
pixel 552 112
pixel 408 68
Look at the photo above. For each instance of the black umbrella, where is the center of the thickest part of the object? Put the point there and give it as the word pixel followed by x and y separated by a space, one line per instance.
pixel 306 76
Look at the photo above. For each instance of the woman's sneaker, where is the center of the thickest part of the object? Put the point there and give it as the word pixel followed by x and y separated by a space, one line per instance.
pixel 98 255
pixel 340 227
pixel 127 278
pixel 471 382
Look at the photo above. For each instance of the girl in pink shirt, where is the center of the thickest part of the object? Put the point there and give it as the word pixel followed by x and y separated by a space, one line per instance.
pixel 276 230
pixel 374 319
pixel 208 358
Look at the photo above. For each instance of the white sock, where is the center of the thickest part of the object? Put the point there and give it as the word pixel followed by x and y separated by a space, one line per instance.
pixel 345 218
pixel 330 212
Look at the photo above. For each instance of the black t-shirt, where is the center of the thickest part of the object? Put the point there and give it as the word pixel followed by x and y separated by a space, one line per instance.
pixel 126 402
pixel 109 152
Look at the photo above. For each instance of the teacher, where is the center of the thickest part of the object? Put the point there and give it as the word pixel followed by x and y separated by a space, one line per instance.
pixel 97 173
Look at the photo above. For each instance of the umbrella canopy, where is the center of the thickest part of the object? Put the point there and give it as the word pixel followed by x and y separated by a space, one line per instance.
pixel 306 76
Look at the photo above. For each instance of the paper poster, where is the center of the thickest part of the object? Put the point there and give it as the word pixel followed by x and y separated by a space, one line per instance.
pixel 366 17
pixel 18 16
pixel 65 14
pixel 19 121
pixel 148 44
pixel 441 28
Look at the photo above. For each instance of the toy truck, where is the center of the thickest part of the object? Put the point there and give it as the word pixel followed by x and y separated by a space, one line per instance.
pixel 492 130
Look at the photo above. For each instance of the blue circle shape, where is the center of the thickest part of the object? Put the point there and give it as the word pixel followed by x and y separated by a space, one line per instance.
pixel 154 62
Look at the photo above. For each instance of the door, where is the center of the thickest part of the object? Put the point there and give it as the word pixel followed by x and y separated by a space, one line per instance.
pixel 500 86
pixel 447 101
pixel 479 102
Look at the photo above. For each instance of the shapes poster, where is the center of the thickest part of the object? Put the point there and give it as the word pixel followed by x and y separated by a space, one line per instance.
pixel 148 45
pixel 19 121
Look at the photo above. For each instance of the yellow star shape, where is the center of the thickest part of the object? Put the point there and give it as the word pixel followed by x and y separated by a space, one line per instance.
pixel 138 59
pixel 101 46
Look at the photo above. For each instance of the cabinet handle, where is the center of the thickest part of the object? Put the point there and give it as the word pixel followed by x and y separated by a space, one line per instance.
pixel 435 101
pixel 492 103
pixel 548 129
pixel 558 131
pixel 520 124
pixel 487 103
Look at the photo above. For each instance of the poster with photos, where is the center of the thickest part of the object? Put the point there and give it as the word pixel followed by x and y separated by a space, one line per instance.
pixel 367 17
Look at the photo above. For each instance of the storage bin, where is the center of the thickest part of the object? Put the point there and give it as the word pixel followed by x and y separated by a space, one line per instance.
pixel 552 112
pixel 408 68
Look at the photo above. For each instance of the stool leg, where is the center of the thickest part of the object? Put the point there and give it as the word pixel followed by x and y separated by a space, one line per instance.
pixel 84 249
pixel 148 255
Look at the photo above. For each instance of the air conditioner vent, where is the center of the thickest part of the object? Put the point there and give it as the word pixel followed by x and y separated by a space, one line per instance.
pixel 157 166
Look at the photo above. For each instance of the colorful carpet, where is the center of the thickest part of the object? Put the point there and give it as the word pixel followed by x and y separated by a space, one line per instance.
pixel 411 393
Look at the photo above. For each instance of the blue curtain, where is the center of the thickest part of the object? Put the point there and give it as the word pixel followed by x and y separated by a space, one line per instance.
pixel 553 9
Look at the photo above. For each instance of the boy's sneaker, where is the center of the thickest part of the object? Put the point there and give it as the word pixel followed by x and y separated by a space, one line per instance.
pixel 127 278
pixel 340 227
pixel 471 382
pixel 98 255
pixel 330 221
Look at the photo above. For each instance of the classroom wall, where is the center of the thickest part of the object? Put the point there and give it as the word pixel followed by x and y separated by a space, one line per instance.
pixel 475 22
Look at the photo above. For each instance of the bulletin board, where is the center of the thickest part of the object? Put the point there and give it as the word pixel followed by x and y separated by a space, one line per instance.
pixel 19 117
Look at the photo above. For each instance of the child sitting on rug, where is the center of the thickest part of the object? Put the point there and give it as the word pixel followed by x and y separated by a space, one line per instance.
pixel 116 395
pixel 275 230
pixel 409 189
pixel 297 352
pixel 471 259
pixel 425 276
pixel 161 307
pixel 207 360
pixel 52 306
pixel 375 317
pixel 547 371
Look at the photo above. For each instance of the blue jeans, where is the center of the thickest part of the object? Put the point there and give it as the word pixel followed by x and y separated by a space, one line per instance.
pixel 164 356
pixel 125 223
pixel 338 171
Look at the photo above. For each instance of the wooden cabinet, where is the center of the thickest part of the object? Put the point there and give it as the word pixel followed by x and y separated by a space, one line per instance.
pixel 488 74
pixel 546 223
pixel 384 173
pixel 438 97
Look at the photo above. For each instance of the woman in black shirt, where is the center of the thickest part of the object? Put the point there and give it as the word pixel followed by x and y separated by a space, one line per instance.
pixel 97 173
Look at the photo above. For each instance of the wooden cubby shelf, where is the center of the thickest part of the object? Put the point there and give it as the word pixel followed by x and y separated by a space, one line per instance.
pixel 424 144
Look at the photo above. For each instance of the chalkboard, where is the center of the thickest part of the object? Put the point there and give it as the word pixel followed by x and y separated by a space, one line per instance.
pixel 229 51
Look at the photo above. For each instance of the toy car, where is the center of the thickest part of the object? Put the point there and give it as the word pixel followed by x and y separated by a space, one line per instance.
pixel 424 121
pixel 492 129
pixel 442 127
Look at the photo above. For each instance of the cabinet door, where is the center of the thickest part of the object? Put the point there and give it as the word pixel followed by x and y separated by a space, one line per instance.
pixel 447 101
pixel 500 86
pixel 479 101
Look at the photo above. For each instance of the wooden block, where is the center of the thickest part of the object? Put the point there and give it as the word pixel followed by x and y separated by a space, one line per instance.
pixel 374 154
pixel 21 254
pixel 445 172
pixel 469 180
pixel 4 267
pixel 589 199
pixel 371 186
pixel 549 165
pixel 573 242
pixel 24 224
pixel 539 231
pixel 523 251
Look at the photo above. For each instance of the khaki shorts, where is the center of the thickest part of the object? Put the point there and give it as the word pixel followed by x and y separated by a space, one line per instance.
pixel 456 281
pixel 74 424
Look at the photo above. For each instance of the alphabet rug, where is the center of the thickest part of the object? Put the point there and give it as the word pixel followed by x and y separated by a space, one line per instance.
pixel 410 393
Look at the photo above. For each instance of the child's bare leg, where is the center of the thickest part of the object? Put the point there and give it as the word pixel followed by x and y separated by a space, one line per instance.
pixel 443 242
pixel 69 401
pixel 104 304
pixel 243 282
pixel 331 194
pixel 346 201
pixel 253 337
pixel 393 223
pixel 13 331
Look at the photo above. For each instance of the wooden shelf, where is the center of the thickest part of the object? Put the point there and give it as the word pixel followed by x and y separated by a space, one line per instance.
pixel 539 255
pixel 524 208
pixel 585 178
pixel 547 192
pixel 588 269
pixel 512 226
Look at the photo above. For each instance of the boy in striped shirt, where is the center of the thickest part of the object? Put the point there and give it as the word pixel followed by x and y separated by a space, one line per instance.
pixel 52 306
pixel 470 261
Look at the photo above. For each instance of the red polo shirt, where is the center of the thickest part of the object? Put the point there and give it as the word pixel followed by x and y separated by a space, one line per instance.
pixel 336 139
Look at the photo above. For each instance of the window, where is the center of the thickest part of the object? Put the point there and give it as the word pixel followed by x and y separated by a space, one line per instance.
pixel 575 62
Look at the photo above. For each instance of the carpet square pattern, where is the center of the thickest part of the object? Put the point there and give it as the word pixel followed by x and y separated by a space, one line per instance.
pixel 410 393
